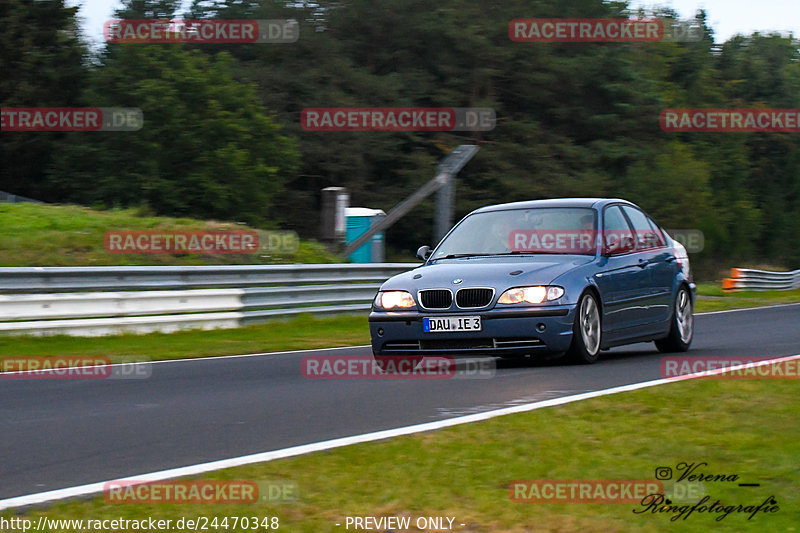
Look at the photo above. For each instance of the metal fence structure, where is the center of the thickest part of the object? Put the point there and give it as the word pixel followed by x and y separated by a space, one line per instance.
pixel 95 301
pixel 761 280
pixel 8 198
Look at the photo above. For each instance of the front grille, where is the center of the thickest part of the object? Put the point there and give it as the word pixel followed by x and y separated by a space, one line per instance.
pixel 402 345
pixel 455 344
pixel 436 298
pixel 474 298
pixel 477 344
pixel 522 342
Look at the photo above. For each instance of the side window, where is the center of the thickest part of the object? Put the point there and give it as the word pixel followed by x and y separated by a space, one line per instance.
pixel 660 241
pixel 617 235
pixel 646 237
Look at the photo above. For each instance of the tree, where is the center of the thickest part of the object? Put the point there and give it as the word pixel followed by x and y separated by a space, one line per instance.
pixel 207 148
pixel 43 63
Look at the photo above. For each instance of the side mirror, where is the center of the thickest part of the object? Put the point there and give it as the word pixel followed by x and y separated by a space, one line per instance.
pixel 424 252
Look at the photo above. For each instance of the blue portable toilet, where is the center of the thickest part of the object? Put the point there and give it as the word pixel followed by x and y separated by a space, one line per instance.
pixel 359 220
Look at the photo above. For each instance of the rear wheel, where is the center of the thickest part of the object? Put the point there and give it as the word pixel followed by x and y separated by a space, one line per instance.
pixel 681 330
pixel 586 331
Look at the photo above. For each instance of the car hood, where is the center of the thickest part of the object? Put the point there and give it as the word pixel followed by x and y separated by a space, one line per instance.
pixel 499 273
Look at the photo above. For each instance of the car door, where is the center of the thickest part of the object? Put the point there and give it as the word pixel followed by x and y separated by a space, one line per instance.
pixel 665 268
pixel 619 276
pixel 654 260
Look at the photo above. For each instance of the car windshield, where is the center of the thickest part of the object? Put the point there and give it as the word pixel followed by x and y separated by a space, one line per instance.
pixel 559 230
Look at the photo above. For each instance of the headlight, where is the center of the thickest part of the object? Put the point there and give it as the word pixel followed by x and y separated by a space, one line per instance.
pixel 393 299
pixel 531 295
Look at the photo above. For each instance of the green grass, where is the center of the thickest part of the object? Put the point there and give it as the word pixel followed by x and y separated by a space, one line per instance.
pixel 68 235
pixel 302 332
pixel 747 428
pixel 710 297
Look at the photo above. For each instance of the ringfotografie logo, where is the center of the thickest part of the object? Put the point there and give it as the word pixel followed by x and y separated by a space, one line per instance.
pixel 699 472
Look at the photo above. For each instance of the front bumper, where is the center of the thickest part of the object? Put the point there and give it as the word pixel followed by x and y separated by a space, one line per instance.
pixel 511 331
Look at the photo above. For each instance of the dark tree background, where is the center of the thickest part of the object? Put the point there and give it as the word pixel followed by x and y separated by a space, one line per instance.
pixel 223 139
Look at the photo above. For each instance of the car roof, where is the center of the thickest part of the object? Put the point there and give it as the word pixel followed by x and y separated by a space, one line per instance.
pixel 594 203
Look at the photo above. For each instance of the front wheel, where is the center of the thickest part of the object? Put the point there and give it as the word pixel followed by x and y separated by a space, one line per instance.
pixel 681 330
pixel 586 331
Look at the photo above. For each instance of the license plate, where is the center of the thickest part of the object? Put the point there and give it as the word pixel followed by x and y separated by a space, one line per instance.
pixel 445 324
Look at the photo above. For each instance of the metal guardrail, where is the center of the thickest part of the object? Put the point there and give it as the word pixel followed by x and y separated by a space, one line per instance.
pixel 120 278
pixel 760 280
pixel 208 297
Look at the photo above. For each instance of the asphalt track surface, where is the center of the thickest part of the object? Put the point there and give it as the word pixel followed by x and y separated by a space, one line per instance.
pixel 64 432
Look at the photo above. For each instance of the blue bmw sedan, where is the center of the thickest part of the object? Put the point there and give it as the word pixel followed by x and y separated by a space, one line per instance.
pixel 573 276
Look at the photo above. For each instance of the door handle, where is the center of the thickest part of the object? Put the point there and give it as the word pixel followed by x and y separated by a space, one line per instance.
pixel 643 263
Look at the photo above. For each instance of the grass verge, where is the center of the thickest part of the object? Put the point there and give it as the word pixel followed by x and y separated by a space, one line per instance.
pixel 69 235
pixel 465 471
pixel 300 333
pixel 710 297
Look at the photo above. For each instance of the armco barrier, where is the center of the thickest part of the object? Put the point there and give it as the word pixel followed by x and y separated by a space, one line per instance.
pixel 123 299
pixel 760 280
pixel 68 279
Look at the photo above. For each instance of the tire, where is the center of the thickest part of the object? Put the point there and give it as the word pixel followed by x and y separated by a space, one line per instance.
pixel 681 329
pixel 587 331
pixel 396 364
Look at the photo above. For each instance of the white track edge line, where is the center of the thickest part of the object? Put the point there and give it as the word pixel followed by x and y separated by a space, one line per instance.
pixel 263 457
pixel 206 358
pixel 747 309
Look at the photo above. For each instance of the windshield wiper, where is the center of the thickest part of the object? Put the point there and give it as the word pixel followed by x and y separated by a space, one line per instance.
pixel 456 256
pixel 514 252
pixel 540 252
